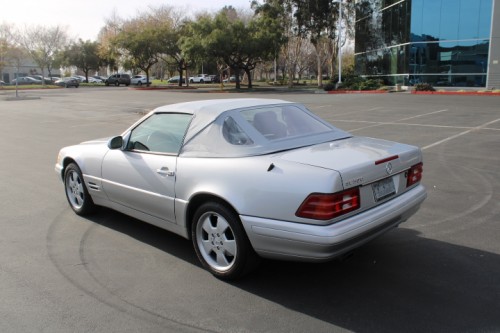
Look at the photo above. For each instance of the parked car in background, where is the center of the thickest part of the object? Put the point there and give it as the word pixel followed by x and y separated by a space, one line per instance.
pixel 118 79
pixel 47 80
pixel 99 77
pixel 94 80
pixel 200 78
pixel 2 83
pixel 139 80
pixel 25 80
pixel 244 178
pixel 215 78
pixel 231 79
pixel 175 79
pixel 68 82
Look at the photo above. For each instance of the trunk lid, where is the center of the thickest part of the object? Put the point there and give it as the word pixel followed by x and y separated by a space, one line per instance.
pixel 359 160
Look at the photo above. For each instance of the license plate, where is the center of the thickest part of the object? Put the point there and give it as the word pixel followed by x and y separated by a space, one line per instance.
pixel 383 189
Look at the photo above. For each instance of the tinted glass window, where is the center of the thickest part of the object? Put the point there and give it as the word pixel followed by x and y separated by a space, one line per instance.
pixel 431 18
pixel 450 18
pixel 485 10
pixel 448 41
pixel 469 19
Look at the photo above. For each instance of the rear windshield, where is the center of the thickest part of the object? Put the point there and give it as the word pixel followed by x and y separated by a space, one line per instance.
pixel 279 122
pixel 260 130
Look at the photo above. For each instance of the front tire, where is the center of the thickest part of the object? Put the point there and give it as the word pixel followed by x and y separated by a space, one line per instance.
pixel 76 192
pixel 220 242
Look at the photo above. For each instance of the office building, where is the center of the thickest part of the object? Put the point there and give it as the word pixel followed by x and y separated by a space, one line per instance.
pixel 442 42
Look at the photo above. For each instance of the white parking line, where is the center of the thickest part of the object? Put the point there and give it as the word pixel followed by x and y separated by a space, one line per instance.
pixel 375 124
pixel 350 112
pixel 460 134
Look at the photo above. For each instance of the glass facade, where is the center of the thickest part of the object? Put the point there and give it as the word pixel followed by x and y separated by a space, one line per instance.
pixel 442 42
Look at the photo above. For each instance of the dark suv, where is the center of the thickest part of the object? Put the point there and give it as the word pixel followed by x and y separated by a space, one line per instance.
pixel 118 79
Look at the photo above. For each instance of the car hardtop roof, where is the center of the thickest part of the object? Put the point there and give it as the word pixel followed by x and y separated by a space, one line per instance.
pixel 215 107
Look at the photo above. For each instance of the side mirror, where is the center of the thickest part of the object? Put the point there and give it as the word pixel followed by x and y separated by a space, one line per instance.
pixel 115 143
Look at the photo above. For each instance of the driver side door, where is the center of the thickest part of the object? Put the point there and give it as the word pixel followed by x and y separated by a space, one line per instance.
pixel 142 175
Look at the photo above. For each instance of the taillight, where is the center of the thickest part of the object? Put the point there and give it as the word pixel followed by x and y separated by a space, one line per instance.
pixel 320 206
pixel 414 174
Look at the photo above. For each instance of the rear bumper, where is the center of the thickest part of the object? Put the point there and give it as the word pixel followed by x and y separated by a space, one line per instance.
pixel 303 242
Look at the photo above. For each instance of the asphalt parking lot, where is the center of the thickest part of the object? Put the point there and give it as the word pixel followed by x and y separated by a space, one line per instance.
pixel 438 272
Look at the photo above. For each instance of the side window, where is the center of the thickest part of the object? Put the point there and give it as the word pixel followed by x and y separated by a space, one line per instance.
pixel 160 133
pixel 233 133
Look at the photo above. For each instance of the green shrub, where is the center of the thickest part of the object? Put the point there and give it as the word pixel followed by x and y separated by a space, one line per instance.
pixel 424 87
pixel 329 86
pixel 351 82
pixel 370 84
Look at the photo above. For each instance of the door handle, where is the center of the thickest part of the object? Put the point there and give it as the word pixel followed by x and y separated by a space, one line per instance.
pixel 165 172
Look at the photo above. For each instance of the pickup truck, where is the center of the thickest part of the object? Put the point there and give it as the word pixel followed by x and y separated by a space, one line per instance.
pixel 200 78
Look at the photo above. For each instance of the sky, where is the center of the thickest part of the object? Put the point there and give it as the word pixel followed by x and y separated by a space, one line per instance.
pixel 84 18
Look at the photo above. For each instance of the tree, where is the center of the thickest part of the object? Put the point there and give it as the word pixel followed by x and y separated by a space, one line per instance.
pixel 42 44
pixel 278 14
pixel 149 38
pixel 318 20
pixel 141 45
pixel 84 56
pixel 172 52
pixel 240 45
pixel 16 56
pixel 107 50
pixel 6 45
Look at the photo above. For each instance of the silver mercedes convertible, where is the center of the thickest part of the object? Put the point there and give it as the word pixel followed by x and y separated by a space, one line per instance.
pixel 248 178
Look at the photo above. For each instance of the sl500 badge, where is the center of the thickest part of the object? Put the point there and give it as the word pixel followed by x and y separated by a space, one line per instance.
pixel 354 182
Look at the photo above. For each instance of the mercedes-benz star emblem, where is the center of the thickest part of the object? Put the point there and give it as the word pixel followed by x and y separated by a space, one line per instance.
pixel 388 168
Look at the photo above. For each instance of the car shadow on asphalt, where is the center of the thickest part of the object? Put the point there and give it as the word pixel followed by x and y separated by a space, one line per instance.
pixel 400 282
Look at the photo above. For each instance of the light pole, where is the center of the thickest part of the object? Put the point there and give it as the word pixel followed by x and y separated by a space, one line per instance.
pixel 340 43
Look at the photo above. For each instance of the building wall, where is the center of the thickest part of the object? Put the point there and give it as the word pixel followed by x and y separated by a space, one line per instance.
pixel 494 59
pixel 443 42
pixel 27 68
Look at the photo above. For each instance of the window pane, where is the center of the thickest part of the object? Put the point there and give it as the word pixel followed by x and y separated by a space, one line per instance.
pixel 430 19
pixel 450 15
pixel 233 133
pixel 485 19
pixel 161 133
pixel 279 122
pixel 416 19
pixel 469 19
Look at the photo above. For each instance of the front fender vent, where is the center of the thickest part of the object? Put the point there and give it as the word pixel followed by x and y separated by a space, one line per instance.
pixel 93 186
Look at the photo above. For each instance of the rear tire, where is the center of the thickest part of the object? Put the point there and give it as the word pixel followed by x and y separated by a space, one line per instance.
pixel 221 243
pixel 76 192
